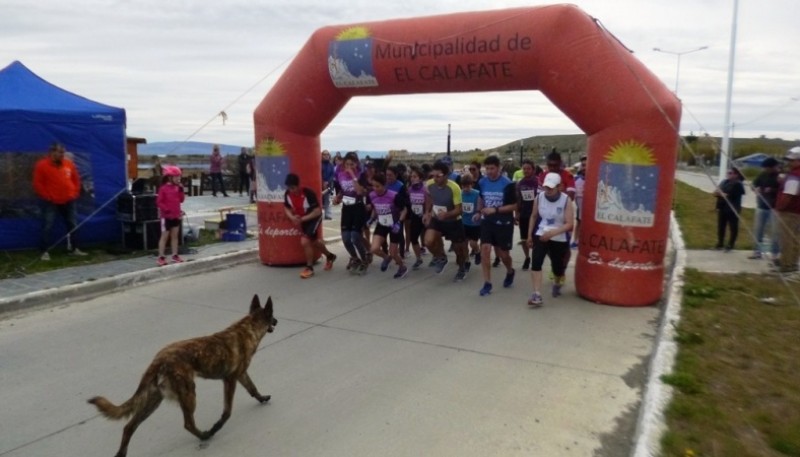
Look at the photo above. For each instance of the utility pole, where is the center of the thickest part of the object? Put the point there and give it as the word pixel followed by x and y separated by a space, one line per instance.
pixel 448 140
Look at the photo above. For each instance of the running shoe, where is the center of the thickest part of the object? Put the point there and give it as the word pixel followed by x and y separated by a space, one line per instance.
pixel 434 261
pixel 526 264
pixel 177 259
pixel 556 290
pixel 460 275
pixel 307 273
pixel 496 262
pixel 329 262
pixel 351 263
pixel 45 256
pixel 78 252
pixel 161 261
pixel 442 262
pixel 486 289
pixel 755 256
pixel 417 264
pixel 509 280
pixel 467 266
pixel 362 268
pixel 369 258
pixel 402 271
pixel 385 263
pixel 477 258
pixel 536 300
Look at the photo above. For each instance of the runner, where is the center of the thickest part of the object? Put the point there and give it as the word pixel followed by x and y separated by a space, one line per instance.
pixel 389 209
pixel 527 188
pixel 550 222
pixel 302 208
pixel 443 218
pixel 472 228
pixel 415 226
pixel 350 191
pixel 496 209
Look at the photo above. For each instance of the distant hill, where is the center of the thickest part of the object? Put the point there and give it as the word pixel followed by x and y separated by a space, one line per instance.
pixel 180 148
pixel 185 148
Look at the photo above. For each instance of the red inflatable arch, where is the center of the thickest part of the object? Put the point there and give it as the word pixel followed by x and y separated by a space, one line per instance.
pixel 628 115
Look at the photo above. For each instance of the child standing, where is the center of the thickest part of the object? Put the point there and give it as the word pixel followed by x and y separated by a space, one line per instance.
pixel 170 197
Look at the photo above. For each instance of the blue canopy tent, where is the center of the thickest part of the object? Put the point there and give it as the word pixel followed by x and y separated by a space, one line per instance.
pixel 33 115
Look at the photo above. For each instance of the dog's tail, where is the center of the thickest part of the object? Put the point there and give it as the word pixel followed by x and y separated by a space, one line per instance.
pixel 147 388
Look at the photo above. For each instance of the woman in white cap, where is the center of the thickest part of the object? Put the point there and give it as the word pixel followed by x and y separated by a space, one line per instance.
pixel 552 218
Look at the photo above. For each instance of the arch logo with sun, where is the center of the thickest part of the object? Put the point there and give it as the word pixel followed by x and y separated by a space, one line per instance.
pixel 632 153
pixel 628 185
pixel 350 58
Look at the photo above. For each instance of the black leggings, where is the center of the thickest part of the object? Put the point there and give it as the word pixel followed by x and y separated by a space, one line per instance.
pixel 725 217
pixel 558 251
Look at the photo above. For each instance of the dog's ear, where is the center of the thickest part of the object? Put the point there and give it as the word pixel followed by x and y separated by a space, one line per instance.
pixel 268 307
pixel 255 305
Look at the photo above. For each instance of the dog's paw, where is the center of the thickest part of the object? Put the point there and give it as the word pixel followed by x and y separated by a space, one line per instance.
pixel 263 398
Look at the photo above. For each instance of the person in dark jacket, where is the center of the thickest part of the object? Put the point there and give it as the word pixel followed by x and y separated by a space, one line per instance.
pixel 244 162
pixel 729 205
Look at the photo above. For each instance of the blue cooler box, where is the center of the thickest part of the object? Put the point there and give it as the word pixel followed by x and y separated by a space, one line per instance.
pixel 236 223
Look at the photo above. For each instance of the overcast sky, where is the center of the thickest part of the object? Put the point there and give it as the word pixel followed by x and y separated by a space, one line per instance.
pixel 173 65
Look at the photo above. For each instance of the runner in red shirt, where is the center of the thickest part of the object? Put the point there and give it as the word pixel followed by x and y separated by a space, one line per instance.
pixel 302 208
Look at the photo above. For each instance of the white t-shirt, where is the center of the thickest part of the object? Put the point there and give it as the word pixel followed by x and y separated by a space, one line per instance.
pixel 553 215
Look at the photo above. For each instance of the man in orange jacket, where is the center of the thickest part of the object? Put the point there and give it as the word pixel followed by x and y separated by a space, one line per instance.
pixel 57 182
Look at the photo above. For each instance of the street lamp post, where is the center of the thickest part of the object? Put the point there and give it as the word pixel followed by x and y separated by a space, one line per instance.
pixel 679 54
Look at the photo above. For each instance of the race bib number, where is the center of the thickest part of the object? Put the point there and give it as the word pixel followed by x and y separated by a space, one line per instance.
pixel 439 209
pixel 347 200
pixel 528 195
pixel 385 220
pixel 792 187
pixel 417 209
pixel 467 207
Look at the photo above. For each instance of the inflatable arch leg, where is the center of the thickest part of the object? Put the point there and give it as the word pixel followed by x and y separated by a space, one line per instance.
pixel 629 116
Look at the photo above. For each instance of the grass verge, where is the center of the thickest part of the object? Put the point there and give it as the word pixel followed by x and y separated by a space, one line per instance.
pixel 15 264
pixel 735 376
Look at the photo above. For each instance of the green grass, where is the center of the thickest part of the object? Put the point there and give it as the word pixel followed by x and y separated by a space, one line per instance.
pixel 697 217
pixel 736 372
pixel 15 264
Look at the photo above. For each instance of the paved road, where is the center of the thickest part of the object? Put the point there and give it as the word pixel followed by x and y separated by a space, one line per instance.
pixel 357 367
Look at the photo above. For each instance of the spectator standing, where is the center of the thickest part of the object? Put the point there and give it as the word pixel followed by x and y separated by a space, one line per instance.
pixel 169 199
pixel 215 170
pixel 328 173
pixel 57 183
pixel 766 187
pixel 729 204
pixel 788 207
pixel 245 168
pixel 157 173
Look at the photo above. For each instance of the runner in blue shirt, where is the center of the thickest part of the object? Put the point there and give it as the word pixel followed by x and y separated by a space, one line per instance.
pixel 497 204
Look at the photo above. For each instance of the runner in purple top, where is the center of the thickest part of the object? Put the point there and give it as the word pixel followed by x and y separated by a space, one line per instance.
pixel 350 192
pixel 388 209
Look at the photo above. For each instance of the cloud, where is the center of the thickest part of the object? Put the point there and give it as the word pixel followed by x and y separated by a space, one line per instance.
pixel 174 65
